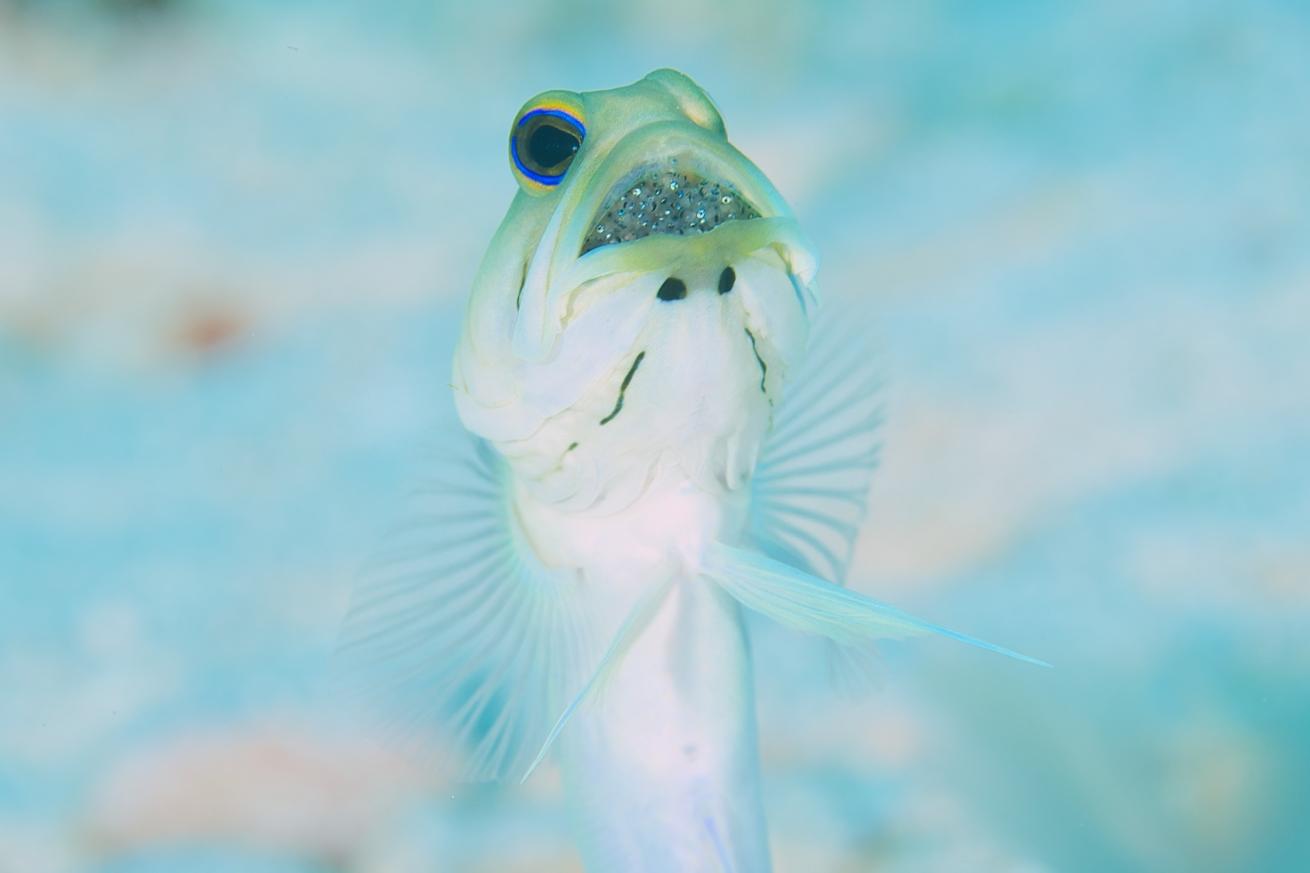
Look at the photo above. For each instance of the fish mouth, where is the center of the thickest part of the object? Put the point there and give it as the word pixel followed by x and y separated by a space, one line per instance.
pixel 664 198
pixel 574 261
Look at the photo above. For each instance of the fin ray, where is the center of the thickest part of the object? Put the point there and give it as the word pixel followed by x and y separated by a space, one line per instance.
pixel 811 484
pixel 632 626
pixel 807 603
pixel 456 625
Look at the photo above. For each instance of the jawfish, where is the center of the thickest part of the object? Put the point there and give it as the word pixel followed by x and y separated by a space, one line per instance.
pixel 661 438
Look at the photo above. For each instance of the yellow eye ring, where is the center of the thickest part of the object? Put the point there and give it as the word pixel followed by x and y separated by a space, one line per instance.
pixel 544 140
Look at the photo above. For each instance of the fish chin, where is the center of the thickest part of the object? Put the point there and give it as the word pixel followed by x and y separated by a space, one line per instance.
pixel 645 387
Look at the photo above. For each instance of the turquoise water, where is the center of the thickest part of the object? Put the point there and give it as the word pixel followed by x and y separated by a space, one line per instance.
pixel 234 240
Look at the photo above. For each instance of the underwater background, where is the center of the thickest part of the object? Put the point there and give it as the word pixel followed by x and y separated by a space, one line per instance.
pixel 235 240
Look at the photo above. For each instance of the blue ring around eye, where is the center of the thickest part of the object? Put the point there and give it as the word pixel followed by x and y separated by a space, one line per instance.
pixel 541 178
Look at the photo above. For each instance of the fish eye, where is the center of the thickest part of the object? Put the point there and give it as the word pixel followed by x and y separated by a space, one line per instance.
pixel 543 143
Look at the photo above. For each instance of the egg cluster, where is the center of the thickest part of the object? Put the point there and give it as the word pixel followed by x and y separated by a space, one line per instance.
pixel 664 200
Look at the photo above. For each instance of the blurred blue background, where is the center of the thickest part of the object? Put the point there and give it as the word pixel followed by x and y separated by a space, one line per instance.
pixel 235 239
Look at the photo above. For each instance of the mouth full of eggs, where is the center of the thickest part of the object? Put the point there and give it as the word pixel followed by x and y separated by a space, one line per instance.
pixel 664 199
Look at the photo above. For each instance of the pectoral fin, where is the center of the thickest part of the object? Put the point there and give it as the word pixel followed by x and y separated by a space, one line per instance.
pixel 810 488
pixel 456 627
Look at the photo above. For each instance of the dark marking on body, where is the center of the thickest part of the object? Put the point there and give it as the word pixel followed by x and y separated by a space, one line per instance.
pixel 672 289
pixel 618 404
pixel 764 368
pixel 727 279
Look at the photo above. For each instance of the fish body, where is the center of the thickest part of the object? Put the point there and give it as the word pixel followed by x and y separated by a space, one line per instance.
pixel 668 400
pixel 655 453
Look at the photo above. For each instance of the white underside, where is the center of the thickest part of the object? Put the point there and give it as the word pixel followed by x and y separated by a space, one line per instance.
pixel 661 762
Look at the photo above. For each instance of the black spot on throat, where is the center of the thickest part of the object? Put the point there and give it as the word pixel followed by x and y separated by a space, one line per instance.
pixel 727 279
pixel 618 405
pixel 672 289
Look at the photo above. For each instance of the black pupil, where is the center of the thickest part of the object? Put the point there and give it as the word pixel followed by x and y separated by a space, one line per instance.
pixel 549 146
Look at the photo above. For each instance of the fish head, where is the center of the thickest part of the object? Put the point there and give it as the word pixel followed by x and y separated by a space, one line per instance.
pixel 642 302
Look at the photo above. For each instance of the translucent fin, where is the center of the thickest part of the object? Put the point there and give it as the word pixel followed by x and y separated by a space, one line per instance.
pixel 456 625
pixel 853 671
pixel 627 634
pixel 811 484
pixel 809 492
pixel 807 603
